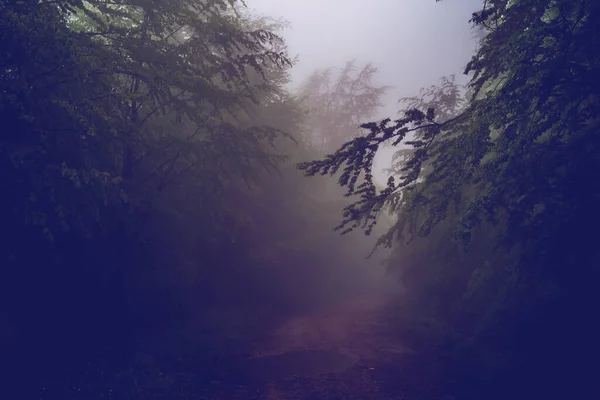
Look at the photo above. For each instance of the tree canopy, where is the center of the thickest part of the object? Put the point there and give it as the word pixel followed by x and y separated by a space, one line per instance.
pixel 503 168
pixel 150 205
pixel 149 154
pixel 532 104
pixel 126 126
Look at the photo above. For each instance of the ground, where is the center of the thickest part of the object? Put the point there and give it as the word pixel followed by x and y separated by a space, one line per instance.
pixel 382 368
pixel 357 327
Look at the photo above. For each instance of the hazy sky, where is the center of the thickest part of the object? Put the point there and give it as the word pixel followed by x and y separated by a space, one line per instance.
pixel 412 42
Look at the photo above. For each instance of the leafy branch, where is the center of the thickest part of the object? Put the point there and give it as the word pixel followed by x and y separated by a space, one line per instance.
pixel 354 162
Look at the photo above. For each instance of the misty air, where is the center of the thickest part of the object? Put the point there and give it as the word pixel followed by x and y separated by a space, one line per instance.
pixel 299 199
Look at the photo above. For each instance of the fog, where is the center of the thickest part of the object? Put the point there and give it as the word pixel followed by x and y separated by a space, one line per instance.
pixel 194 248
pixel 412 42
pixel 171 229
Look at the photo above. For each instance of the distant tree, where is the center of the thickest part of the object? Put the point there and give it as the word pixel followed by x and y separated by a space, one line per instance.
pixel 338 104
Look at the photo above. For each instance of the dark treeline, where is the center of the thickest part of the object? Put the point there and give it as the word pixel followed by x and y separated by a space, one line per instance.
pixel 152 207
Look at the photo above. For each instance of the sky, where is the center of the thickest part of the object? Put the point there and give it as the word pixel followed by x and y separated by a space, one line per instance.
pixel 412 42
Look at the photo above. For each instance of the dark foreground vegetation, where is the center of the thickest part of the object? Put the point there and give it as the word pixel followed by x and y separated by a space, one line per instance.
pixel 154 224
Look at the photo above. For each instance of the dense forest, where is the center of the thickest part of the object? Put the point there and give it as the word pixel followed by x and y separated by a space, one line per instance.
pixel 161 212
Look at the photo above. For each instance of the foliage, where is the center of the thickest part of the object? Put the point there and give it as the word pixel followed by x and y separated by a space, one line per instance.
pixel 506 168
pixel 73 134
pixel 532 70
pixel 150 205
pixel 338 104
pixel 126 126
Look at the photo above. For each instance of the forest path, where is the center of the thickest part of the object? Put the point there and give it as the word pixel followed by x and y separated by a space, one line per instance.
pixel 356 327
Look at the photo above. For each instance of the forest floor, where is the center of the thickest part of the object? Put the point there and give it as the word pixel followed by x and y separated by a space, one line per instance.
pixel 385 369
pixel 380 366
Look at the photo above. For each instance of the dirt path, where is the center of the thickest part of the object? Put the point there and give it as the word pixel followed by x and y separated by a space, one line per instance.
pixel 355 327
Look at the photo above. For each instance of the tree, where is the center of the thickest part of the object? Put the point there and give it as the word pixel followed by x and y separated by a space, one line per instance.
pixel 509 166
pixel 185 63
pixel 495 145
pixel 121 120
pixel 337 105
